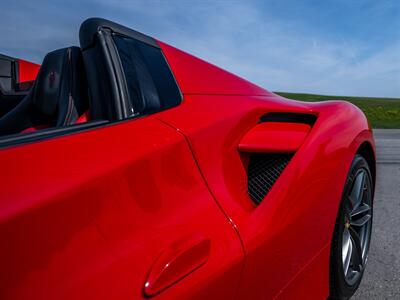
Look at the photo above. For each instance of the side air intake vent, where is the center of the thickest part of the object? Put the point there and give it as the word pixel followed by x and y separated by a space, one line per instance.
pixel 264 170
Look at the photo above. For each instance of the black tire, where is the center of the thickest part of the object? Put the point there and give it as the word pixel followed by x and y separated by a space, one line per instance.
pixel 349 254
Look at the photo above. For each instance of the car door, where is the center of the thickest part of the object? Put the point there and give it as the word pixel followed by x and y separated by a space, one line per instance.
pixel 117 212
pixel 114 209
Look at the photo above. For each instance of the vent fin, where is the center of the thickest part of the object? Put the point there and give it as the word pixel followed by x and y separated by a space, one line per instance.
pixel 289 117
pixel 264 169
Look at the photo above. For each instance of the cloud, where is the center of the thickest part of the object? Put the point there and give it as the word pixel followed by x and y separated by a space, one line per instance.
pixel 252 39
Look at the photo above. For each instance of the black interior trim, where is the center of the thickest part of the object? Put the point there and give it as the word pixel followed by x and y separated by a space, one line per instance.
pixel 9 76
pixel 58 97
pixel 95 29
pixel 90 34
pixel 90 27
pixel 100 27
pixel 15 71
pixel 112 68
pixel 44 134
pixel 101 97
pixel 121 85
pixel 289 117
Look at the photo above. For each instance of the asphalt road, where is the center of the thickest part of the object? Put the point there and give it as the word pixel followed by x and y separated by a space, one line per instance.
pixel 382 276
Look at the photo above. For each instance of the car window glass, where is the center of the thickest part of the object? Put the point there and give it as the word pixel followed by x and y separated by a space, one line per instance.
pixel 150 83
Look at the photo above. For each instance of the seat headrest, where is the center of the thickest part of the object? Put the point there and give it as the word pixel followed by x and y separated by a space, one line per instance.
pixel 60 89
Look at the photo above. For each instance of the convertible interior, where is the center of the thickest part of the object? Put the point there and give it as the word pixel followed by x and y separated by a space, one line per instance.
pixel 115 74
pixel 58 98
pixel 71 92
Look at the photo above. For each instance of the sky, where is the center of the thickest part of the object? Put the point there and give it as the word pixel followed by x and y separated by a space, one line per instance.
pixel 332 47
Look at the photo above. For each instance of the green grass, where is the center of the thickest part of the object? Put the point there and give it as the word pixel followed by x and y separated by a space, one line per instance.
pixel 381 112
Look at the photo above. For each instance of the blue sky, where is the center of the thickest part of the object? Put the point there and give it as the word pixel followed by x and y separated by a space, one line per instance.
pixel 337 47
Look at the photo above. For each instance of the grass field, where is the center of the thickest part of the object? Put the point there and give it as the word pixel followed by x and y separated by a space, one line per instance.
pixel 381 112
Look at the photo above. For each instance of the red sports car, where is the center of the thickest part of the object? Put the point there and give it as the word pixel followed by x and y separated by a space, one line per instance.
pixel 134 170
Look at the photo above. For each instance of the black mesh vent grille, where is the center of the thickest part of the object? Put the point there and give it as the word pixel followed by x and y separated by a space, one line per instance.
pixel 264 170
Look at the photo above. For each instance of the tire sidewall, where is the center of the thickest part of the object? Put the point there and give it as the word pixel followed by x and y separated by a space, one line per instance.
pixel 339 288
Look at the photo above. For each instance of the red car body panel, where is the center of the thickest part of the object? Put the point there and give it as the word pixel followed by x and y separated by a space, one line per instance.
pixel 158 206
pixel 195 76
pixel 300 213
pixel 96 210
pixel 19 75
pixel 27 70
pixel 282 137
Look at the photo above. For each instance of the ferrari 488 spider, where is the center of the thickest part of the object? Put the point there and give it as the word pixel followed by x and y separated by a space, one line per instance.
pixel 131 169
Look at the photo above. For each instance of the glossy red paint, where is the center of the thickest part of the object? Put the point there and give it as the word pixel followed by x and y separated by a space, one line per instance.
pixel 96 210
pixel 283 230
pixel 195 76
pixel 296 219
pixel 27 71
pixel 158 206
pixel 182 258
pixel 281 137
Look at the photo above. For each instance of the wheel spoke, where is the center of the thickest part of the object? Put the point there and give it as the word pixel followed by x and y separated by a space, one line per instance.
pixel 357 190
pixel 360 210
pixel 357 253
pixel 356 226
pixel 361 221
pixel 347 249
